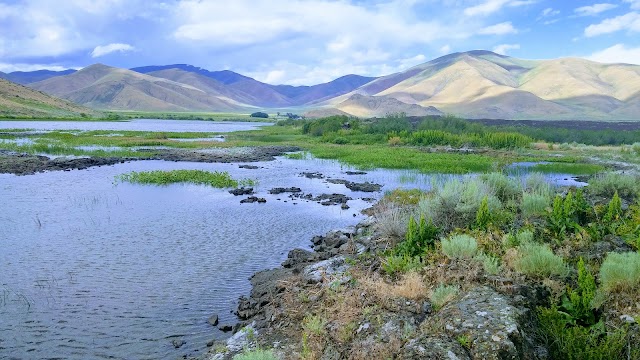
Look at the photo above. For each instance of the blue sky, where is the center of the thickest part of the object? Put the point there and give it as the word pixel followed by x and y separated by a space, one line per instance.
pixel 309 41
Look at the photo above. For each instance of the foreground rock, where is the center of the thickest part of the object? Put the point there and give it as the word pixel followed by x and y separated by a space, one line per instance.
pixel 25 164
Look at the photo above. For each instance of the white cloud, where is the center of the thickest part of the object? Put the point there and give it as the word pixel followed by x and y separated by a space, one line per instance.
pixel 548 12
pixel 7 68
pixel 412 61
pixel 635 4
pixel 102 50
pixel 504 48
pixel 618 53
pixel 488 7
pixel 446 49
pixel 630 22
pixel 594 9
pixel 499 29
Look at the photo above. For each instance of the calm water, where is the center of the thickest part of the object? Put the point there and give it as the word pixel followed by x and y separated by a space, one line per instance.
pixel 95 270
pixel 137 125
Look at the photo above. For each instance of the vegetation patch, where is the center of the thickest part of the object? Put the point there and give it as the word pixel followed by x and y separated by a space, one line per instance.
pixel 158 177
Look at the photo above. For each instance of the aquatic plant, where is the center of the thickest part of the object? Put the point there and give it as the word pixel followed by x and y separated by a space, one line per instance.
pixel 158 177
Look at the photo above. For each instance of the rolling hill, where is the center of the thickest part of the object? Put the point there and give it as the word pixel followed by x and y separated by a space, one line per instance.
pixel 103 87
pixel 18 101
pixel 28 77
pixel 473 84
pixel 482 84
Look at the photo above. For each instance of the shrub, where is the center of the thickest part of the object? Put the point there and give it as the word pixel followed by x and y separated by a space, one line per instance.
pixel 420 237
pixel 397 264
pixel 456 203
pixel 490 264
pixel 459 247
pixel 260 114
pixel 606 185
pixel 537 183
pixel 539 261
pixel 534 204
pixel 442 295
pixel 515 240
pixel 258 354
pixel 391 220
pixel 620 271
pixel 567 341
pixel 504 187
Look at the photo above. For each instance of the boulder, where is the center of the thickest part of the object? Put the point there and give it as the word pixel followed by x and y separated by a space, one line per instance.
pixel 327 271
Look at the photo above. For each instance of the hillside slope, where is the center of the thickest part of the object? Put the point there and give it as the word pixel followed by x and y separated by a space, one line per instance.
pixel 18 101
pixel 102 87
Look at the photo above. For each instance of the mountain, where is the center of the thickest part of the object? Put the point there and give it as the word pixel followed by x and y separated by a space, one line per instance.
pixel 258 93
pixel 20 101
pixel 369 106
pixel 482 84
pixel 473 84
pixel 103 87
pixel 28 77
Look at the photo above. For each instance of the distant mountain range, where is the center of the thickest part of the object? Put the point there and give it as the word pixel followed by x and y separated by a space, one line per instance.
pixel 474 84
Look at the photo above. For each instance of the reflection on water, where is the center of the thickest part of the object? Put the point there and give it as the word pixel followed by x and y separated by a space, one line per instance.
pixel 96 270
pixel 136 125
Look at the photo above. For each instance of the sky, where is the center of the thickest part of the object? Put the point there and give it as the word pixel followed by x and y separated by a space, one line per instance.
pixel 305 42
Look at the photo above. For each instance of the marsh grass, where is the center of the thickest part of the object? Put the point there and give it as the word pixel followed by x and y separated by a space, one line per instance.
pixel 158 177
pixel 568 168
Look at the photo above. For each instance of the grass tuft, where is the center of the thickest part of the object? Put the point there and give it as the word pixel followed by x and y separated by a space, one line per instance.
pixel 459 247
pixel 158 177
pixel 539 261
pixel 620 271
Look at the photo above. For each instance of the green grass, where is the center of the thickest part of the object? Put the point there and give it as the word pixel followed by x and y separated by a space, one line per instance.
pixel 459 247
pixel 538 260
pixel 620 271
pixel 568 168
pixel 442 295
pixel 158 177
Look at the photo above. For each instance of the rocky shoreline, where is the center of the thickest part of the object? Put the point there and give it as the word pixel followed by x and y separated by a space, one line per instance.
pixel 27 164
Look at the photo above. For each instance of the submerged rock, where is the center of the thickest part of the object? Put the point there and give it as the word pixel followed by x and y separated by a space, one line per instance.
pixel 280 190
pixel 213 320
pixel 353 186
pixel 253 199
pixel 241 191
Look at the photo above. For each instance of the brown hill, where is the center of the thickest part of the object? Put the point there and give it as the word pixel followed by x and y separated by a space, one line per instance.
pixel 17 101
pixel 104 87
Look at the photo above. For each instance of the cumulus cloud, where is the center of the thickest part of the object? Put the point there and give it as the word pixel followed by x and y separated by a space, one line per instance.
pixel 635 4
pixel 102 50
pixel 618 53
pixel 499 29
pixel 7 68
pixel 504 48
pixel 488 7
pixel 594 9
pixel 630 22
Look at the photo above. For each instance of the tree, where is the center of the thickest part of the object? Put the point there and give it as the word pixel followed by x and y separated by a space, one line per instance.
pixel 260 114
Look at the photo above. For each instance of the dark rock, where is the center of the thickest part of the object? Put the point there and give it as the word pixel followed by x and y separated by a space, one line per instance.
pixel 331 199
pixel 225 328
pixel 433 348
pixel 213 320
pixel 177 343
pixel 353 186
pixel 312 175
pixel 210 343
pixel 356 173
pixel 280 190
pixel 299 256
pixel 251 167
pixel 241 191
pixel 253 199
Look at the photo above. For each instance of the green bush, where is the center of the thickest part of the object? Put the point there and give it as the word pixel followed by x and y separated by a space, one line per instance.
pixel 257 354
pixel 620 271
pixel 567 341
pixel 534 204
pixel 490 264
pixel 539 261
pixel 504 187
pixel 442 295
pixel 483 216
pixel 577 303
pixel 606 185
pixel 420 237
pixel 459 247
pixel 398 264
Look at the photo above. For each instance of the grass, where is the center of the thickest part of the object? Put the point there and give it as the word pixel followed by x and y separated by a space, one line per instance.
pixel 257 354
pixel 620 272
pixel 568 168
pixel 458 247
pixel 442 294
pixel 610 183
pixel 215 179
pixel 538 260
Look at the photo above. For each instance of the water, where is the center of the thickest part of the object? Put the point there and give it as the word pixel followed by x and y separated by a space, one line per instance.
pixel 136 125
pixel 96 270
